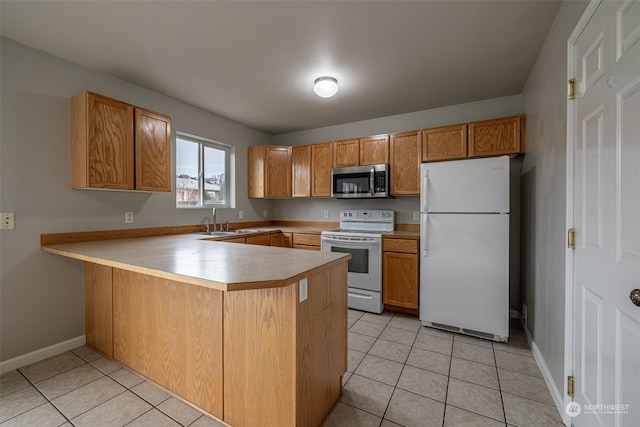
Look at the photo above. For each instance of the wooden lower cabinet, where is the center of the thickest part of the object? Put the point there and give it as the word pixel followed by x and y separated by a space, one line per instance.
pixel 255 357
pixel 400 278
pixel 282 239
pixel 261 239
pixel 306 241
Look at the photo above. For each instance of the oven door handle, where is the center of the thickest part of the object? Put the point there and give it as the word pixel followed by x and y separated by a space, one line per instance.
pixel 360 242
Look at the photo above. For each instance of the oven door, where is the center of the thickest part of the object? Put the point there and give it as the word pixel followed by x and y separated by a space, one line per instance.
pixel 365 266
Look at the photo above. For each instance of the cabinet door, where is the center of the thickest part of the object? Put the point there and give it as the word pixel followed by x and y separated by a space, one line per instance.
pixel 404 150
pixel 301 171
pixel 101 142
pixel 321 161
pixel 255 170
pixel 153 151
pixel 444 143
pixel 374 150
pixel 496 137
pixel 400 279
pixel 346 153
pixel 263 239
pixel 278 171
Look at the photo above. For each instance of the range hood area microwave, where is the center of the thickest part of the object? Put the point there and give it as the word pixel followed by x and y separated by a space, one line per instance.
pixel 360 182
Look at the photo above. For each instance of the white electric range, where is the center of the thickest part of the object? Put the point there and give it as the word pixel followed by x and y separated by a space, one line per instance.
pixel 360 234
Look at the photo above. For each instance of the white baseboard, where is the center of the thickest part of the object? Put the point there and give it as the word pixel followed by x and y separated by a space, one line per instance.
pixel 556 394
pixel 43 353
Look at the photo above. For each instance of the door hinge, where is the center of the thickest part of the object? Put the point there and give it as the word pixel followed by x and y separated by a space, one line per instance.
pixel 571 238
pixel 571 91
pixel 571 383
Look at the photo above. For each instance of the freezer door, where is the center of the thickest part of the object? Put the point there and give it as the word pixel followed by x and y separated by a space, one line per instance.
pixel 471 185
pixel 464 272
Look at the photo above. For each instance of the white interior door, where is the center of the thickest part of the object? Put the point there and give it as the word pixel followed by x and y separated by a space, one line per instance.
pixel 606 194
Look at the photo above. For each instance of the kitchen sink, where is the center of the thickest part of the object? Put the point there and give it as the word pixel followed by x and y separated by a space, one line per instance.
pixel 219 233
pixel 231 232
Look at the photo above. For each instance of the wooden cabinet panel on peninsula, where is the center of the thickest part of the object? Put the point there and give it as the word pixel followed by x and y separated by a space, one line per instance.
pixel 115 145
pixel 269 171
pixel 497 137
pixel 321 161
pixel 404 154
pixel 400 282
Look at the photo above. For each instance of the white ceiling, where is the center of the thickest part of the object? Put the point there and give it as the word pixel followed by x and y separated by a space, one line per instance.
pixel 255 61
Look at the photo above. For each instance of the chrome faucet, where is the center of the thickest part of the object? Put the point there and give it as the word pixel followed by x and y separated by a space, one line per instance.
pixel 214 219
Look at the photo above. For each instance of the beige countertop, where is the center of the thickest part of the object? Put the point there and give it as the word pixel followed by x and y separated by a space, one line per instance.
pixel 190 259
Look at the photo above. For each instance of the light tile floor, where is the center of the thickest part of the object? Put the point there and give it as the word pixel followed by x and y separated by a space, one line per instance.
pixel 399 373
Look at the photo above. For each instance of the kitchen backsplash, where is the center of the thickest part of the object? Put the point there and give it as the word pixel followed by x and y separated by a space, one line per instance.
pixel 310 209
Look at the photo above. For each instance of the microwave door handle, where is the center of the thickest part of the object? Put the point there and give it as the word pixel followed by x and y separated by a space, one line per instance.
pixel 372 174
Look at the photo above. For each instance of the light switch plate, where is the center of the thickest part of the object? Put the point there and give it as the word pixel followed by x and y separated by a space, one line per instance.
pixel 303 293
pixel 240 214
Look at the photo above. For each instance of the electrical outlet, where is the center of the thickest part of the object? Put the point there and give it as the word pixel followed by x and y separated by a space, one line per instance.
pixel 264 213
pixel 303 292
pixel 326 214
pixel 128 217
pixel 8 221
pixel 240 214
pixel 416 215
pixel 525 317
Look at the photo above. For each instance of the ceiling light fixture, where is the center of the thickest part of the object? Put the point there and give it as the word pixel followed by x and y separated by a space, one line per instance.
pixel 325 87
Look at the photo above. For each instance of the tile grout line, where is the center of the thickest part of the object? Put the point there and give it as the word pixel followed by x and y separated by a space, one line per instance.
pixel 45 397
pixel 504 411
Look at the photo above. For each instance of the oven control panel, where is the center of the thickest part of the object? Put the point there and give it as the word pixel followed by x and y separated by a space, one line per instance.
pixel 370 219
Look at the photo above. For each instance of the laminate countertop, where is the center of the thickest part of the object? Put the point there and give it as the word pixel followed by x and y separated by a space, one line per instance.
pixel 191 258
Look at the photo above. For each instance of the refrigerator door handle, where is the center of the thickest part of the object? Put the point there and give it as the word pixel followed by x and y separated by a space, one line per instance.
pixel 425 191
pixel 424 226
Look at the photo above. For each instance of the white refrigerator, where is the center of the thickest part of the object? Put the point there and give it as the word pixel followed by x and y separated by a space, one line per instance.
pixel 464 254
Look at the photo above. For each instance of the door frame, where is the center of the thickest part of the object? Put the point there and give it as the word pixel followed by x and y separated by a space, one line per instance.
pixel 570 188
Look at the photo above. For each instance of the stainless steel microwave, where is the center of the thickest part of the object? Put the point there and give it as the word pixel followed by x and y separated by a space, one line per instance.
pixel 360 182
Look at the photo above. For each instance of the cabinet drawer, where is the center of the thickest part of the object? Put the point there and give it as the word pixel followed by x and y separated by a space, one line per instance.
pixel 409 246
pixel 306 239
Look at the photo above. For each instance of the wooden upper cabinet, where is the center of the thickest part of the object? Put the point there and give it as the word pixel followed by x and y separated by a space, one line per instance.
pixel 404 154
pixel 374 150
pixel 497 137
pixel 346 153
pixel 153 151
pixel 444 143
pixel 321 161
pixel 301 171
pixel 115 145
pixel 269 170
pixel 101 142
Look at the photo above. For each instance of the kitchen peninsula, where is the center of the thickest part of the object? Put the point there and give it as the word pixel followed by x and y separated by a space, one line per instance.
pixel 254 335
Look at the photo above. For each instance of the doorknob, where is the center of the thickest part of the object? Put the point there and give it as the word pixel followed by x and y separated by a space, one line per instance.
pixel 635 297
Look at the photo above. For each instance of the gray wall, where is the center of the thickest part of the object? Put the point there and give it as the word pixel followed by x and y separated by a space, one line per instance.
pixel 42 297
pixel 544 193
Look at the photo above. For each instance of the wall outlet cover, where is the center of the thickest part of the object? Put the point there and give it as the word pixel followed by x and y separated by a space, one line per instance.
pixel 240 214
pixel 326 214
pixel 416 215
pixel 303 291
pixel 128 217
